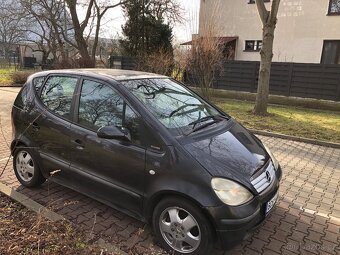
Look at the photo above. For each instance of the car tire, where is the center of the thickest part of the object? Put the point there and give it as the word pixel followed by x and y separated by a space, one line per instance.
pixel 181 227
pixel 26 168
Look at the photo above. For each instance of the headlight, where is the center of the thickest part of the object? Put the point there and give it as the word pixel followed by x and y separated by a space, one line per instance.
pixel 274 160
pixel 230 193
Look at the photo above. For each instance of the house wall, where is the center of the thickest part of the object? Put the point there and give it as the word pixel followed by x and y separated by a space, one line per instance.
pixel 302 27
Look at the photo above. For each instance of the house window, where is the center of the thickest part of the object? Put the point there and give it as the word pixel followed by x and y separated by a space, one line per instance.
pixel 253 1
pixel 331 52
pixel 334 7
pixel 253 45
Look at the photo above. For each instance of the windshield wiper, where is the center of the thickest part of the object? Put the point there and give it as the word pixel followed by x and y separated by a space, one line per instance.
pixel 182 107
pixel 202 126
pixel 202 120
pixel 215 118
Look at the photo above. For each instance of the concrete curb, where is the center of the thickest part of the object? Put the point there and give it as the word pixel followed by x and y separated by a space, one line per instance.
pixel 296 138
pixel 52 216
pixel 30 204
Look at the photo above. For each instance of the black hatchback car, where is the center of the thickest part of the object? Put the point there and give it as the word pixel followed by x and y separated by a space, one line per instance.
pixel 148 146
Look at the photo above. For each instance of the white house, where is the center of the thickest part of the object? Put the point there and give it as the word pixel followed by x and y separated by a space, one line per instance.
pixel 308 31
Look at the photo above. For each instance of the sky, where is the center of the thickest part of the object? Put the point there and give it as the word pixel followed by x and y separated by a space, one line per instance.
pixel 114 19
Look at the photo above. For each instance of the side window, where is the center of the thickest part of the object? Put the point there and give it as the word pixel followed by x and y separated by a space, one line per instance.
pixel 38 82
pixel 21 99
pixel 57 94
pixel 100 105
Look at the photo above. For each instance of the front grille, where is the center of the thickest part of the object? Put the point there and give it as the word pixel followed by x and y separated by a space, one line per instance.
pixel 263 181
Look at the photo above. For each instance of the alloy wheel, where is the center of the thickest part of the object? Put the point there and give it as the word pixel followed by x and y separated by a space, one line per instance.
pixel 180 229
pixel 25 166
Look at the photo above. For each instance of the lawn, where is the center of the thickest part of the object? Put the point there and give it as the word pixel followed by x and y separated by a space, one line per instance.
pixel 289 120
pixel 5 76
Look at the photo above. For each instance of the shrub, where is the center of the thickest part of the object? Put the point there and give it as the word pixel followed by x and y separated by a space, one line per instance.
pixel 160 62
pixel 20 77
pixel 206 58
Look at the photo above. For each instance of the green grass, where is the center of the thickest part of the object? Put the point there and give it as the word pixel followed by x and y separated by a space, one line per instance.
pixel 308 123
pixel 5 76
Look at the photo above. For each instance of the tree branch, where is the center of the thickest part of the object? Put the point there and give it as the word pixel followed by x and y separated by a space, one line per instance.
pixel 264 13
pixel 274 11
pixel 113 6
pixel 87 17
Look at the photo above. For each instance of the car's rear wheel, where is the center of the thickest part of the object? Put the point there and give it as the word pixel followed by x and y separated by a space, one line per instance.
pixel 181 227
pixel 26 168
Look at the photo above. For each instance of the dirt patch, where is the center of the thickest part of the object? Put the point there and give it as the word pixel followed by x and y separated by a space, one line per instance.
pixel 24 232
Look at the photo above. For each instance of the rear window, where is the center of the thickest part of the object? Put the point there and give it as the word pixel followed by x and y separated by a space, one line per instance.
pixel 38 82
pixel 21 99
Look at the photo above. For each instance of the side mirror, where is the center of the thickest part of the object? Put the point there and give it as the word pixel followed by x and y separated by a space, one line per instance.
pixel 112 132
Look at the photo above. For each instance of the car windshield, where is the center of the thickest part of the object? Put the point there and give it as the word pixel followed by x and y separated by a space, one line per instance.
pixel 176 107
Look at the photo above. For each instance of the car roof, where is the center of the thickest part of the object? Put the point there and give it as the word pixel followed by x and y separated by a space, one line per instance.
pixel 116 74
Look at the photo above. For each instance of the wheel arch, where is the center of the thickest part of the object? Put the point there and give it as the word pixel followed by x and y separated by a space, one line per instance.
pixel 156 198
pixel 17 143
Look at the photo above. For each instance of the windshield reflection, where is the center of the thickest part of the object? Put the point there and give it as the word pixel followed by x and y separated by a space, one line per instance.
pixel 172 104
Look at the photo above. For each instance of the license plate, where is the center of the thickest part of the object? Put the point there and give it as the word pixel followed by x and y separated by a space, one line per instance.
pixel 270 204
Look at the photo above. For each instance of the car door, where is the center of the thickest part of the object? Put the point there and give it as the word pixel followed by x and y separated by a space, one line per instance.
pixel 116 168
pixel 50 120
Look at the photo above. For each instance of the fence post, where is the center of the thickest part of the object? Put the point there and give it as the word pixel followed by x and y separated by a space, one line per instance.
pixel 290 79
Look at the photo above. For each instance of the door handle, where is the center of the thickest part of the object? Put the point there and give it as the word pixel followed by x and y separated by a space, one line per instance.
pixel 35 126
pixel 78 144
pixel 77 141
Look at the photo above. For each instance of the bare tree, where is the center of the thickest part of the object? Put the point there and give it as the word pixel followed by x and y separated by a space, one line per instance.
pixel 206 58
pixel 95 11
pixel 10 32
pixel 169 10
pixel 269 20
pixel 181 56
pixel 45 27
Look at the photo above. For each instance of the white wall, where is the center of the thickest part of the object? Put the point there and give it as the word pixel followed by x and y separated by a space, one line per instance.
pixel 302 27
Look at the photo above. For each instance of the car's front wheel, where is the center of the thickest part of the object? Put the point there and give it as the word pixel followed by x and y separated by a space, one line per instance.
pixel 181 227
pixel 26 168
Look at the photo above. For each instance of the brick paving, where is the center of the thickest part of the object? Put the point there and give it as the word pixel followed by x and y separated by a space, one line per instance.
pixel 306 219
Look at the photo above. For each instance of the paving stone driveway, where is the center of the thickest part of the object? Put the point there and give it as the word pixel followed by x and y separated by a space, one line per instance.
pixel 305 221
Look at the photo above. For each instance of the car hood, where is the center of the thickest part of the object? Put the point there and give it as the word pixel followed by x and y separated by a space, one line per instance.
pixel 228 151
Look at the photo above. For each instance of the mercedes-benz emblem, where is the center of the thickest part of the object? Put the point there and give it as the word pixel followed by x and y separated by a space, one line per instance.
pixel 269 178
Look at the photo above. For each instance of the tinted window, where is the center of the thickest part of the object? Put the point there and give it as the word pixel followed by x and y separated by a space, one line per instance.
pixel 38 82
pixel 100 105
pixel 172 104
pixel 21 99
pixel 57 94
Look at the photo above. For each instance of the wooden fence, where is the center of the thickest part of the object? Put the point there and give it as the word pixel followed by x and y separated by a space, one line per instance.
pixel 288 79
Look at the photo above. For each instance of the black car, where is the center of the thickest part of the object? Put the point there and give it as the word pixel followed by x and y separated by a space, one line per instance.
pixel 148 146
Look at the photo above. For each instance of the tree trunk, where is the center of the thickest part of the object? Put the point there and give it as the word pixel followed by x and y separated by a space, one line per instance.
pixel 85 58
pixel 265 68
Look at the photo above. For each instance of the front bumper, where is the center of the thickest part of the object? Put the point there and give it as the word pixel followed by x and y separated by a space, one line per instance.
pixel 233 222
